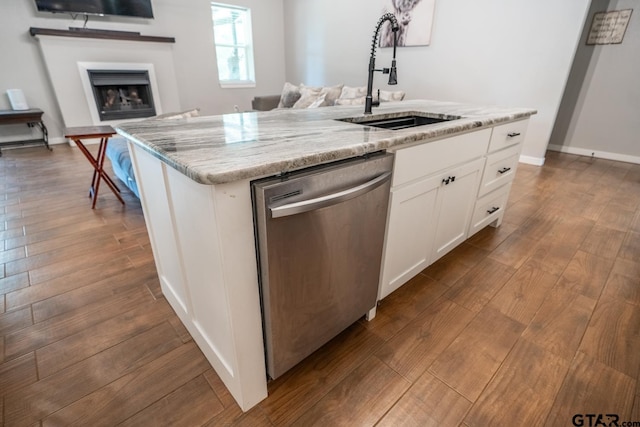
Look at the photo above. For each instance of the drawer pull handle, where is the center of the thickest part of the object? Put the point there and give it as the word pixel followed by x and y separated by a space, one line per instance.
pixel 493 210
pixel 513 134
pixel 504 170
pixel 448 180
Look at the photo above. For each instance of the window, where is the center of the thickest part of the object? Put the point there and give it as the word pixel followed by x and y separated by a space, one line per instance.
pixel 234 45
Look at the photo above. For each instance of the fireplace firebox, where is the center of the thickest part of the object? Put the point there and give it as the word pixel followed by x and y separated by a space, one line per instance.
pixel 122 94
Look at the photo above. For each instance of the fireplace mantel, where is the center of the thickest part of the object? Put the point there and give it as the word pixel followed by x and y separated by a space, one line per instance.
pixel 100 34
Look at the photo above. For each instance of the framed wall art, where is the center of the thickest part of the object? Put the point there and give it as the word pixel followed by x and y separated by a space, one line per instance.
pixel 415 18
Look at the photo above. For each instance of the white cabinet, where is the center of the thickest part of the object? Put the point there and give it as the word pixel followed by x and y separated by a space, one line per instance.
pixel 410 233
pixel 435 187
pixel 443 192
pixel 454 206
pixel 502 163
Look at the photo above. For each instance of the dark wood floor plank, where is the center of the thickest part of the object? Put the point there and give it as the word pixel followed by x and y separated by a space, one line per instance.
pixel 94 292
pixel 134 391
pixel 521 297
pixel 475 355
pixel 514 251
pixel 362 398
pixel 560 323
pixel 69 323
pixel 96 247
pixel 414 348
pixel 490 238
pixel 583 215
pixel 613 336
pixel 402 306
pixel 539 225
pixel 586 274
pixel 15 282
pixel 14 320
pixel 91 226
pixel 219 388
pixel 90 341
pixel 635 222
pixel 85 261
pixel 51 288
pixel 571 230
pixel 233 416
pixel 631 247
pixel 623 288
pixel 603 242
pixel 37 401
pixel 12 254
pixel 428 403
pixel 626 268
pixel 476 288
pixel 552 256
pixel 296 391
pixel 616 216
pixel 17 373
pixel 601 390
pixel 522 391
pixel 73 239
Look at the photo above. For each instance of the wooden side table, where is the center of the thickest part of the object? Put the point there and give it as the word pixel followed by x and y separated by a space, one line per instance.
pixel 31 117
pixel 77 134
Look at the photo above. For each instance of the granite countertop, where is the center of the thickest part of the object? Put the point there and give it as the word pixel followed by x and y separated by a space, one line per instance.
pixel 232 147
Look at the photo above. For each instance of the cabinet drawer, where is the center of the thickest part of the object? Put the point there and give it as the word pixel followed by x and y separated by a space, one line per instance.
pixel 508 134
pixel 500 169
pixel 488 209
pixel 425 159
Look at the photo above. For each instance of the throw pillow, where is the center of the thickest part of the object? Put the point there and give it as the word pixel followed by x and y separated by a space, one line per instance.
pixel 388 96
pixel 290 95
pixel 352 92
pixel 308 95
pixel 179 115
pixel 350 101
pixel 332 93
pixel 319 102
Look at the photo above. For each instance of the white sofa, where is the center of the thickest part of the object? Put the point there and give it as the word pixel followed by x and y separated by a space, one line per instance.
pixel 302 96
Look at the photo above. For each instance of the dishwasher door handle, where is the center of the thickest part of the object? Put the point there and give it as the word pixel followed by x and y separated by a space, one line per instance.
pixel 330 199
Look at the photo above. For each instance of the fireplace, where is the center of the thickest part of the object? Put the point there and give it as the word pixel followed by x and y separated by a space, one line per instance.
pixel 122 94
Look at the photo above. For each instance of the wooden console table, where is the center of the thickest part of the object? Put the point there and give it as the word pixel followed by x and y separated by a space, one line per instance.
pixel 32 117
pixel 77 134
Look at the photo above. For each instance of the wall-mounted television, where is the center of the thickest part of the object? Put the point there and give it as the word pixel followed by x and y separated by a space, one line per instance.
pixel 136 8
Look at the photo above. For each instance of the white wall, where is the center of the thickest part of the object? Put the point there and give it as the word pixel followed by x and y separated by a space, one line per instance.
pixel 189 21
pixel 600 109
pixel 502 52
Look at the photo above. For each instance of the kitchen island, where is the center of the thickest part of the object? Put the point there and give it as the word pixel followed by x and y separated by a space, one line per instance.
pixel 194 177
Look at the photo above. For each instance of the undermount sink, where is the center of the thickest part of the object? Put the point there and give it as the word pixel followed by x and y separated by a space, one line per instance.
pixel 396 121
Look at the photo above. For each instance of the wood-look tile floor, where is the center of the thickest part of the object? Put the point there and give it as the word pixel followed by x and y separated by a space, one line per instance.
pixel 527 324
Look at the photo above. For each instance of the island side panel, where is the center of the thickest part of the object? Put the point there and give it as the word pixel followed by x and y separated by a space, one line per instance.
pixel 213 237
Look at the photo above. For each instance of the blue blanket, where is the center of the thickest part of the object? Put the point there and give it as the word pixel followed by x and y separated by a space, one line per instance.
pixel 118 154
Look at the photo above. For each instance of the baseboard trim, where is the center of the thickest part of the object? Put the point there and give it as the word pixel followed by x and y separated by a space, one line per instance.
pixel 57 140
pixel 536 161
pixel 595 153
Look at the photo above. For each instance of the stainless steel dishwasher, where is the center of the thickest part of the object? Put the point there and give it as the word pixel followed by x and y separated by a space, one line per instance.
pixel 320 234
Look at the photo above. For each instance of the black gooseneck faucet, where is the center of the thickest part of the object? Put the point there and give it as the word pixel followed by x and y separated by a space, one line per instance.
pixel 393 74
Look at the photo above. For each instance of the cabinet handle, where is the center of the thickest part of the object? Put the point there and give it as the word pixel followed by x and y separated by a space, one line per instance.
pixel 492 210
pixel 513 134
pixel 448 180
pixel 504 170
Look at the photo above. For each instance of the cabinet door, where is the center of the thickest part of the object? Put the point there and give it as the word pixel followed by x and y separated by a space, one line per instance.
pixel 456 198
pixel 410 232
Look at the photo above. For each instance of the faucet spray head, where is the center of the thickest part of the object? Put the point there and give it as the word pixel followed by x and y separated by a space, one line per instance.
pixel 393 74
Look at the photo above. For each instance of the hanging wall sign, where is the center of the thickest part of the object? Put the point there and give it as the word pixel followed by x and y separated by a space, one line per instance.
pixel 609 27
